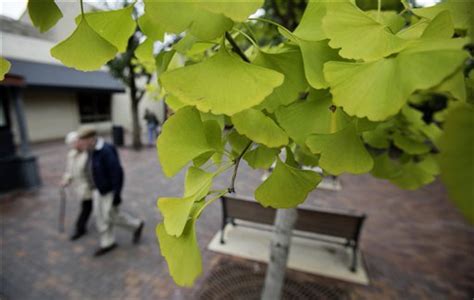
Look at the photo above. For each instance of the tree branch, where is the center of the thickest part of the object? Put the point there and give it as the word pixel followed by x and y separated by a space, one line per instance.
pixel 237 162
pixel 235 47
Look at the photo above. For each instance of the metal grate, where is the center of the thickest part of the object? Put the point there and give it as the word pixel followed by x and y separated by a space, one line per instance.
pixel 232 280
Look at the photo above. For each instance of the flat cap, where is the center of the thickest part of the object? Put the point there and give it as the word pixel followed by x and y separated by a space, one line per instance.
pixel 86 132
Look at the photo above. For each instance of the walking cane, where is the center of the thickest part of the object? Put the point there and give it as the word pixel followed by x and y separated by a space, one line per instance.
pixel 62 208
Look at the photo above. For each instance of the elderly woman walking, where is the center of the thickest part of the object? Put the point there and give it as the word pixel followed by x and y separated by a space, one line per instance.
pixel 75 174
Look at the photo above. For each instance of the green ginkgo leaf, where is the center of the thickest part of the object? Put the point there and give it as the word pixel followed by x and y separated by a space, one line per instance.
pixel 246 85
pixel 116 26
pixel 310 27
pixel 342 151
pixel 392 19
pixel 286 186
pixel 409 145
pixel 379 89
pixel 238 142
pixel 414 175
pixel 181 253
pixel 151 28
pixel 5 66
pixel 84 49
pixel 315 55
pixel 259 128
pixel 176 211
pixel 44 14
pixel 461 13
pixel 181 15
pixel 174 102
pixel 456 158
pixel 313 115
pixel 288 62
pixel 144 54
pixel 359 35
pixel 377 138
pixel 237 10
pixel 182 139
pixel 454 86
pixel 440 27
pixel 385 167
pixel 261 157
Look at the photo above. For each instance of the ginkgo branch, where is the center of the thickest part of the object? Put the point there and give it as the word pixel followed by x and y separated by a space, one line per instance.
pixel 236 168
pixel 236 47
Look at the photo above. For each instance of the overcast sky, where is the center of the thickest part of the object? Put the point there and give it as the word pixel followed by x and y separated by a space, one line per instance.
pixel 15 8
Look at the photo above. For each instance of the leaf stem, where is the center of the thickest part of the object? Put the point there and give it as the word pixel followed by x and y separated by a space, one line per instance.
pixel 82 7
pixel 237 163
pixel 209 202
pixel 379 8
pixel 236 47
pixel 247 37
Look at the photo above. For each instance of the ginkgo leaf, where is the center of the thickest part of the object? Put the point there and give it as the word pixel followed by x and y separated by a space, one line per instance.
pixel 246 85
pixel 261 157
pixel 5 66
pixel 181 253
pixel 310 26
pixel 84 49
pixel 44 14
pixel 259 128
pixel 409 145
pixel 377 138
pixel 214 137
pixel 313 115
pixel 181 15
pixel 286 186
pixel 454 85
pixel 456 158
pixel 392 19
pixel 440 27
pixel 288 62
pixel 175 210
pixel 315 55
pixel 163 61
pixel 413 175
pixel 197 183
pixel 342 151
pixel 151 28
pixel 379 89
pixel 461 13
pixel 237 10
pixel 358 34
pixel 144 54
pixel 182 139
pixel 115 26
pixel 385 167
pixel 238 142
pixel 174 102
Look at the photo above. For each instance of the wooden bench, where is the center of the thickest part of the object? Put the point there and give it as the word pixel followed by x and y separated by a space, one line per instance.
pixel 325 223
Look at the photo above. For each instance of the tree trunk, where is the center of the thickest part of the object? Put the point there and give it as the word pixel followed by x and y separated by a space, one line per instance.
pixel 134 100
pixel 284 223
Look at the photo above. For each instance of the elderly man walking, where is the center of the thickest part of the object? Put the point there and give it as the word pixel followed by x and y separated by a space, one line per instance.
pixel 106 176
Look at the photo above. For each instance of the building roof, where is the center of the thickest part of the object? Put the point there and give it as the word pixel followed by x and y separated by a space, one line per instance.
pixel 38 74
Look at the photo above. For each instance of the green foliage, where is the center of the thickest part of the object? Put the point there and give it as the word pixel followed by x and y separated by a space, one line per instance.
pixel 457 158
pixel 246 85
pixel 4 67
pixel 286 186
pixel 44 14
pixel 351 89
pixel 85 49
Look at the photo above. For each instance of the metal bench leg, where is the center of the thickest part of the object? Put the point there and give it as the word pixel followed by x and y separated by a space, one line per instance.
pixel 354 259
pixel 222 232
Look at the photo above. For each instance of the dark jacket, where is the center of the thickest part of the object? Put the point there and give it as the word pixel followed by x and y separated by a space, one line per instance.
pixel 107 171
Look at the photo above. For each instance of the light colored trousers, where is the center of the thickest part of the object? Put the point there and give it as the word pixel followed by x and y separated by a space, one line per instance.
pixel 107 217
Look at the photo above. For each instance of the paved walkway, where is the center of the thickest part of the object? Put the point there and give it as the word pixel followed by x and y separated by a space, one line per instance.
pixel 415 244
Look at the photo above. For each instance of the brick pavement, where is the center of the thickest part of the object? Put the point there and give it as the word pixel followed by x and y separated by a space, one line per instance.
pixel 415 244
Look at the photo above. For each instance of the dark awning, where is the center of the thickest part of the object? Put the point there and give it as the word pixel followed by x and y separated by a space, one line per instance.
pixel 48 75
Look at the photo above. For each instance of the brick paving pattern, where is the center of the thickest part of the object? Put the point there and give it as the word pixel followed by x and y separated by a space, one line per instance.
pixel 415 244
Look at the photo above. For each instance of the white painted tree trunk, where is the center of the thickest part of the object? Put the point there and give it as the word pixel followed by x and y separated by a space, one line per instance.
pixel 284 223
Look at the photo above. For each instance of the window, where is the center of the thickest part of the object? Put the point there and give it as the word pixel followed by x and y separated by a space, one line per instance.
pixel 94 107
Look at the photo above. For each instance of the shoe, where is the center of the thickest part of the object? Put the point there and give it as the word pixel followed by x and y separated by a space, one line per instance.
pixel 102 251
pixel 138 233
pixel 77 235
